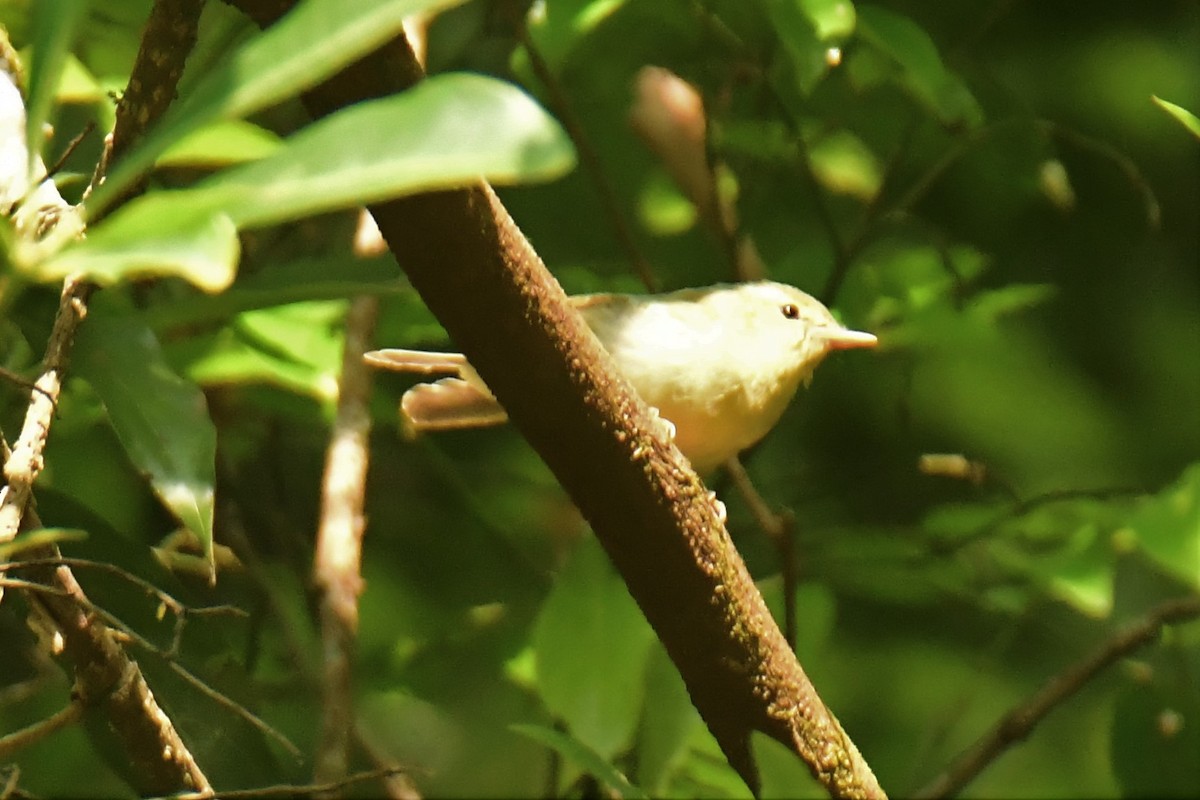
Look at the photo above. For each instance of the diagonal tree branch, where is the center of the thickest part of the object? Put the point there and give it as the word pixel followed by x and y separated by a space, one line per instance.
pixel 1018 723
pixel 482 279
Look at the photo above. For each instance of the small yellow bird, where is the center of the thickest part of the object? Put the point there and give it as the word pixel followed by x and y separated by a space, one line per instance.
pixel 720 363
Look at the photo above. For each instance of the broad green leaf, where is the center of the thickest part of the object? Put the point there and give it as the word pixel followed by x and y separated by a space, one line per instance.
pixel 448 131
pixel 1184 117
pixel 54 23
pixel 584 757
pixel 161 419
pixel 591 642
pixel 202 249
pixel 296 347
pixel 221 144
pixel 314 40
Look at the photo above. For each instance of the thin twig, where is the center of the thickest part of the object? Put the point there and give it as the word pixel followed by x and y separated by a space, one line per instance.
pixel 292 790
pixel 337 562
pixel 192 679
pixel 16 741
pixel 1017 724
pixel 25 459
pixel 71 147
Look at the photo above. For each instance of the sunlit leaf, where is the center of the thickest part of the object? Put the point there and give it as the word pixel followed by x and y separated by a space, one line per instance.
pixel 221 144
pixel 1167 526
pixel 296 347
pixel 832 19
pixel 445 132
pixel 448 131
pixel 314 40
pixel 1184 117
pixel 200 248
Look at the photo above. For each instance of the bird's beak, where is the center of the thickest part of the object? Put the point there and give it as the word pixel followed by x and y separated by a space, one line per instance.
pixel 844 338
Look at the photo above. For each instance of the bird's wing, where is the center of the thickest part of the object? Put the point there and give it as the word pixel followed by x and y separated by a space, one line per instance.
pixel 449 404
pixel 420 362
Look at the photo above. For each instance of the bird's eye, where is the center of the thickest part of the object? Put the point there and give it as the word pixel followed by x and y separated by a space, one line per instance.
pixel 790 310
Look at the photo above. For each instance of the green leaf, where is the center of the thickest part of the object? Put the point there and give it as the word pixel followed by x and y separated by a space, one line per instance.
pixel 1167 526
pixel 314 40
pixel 559 26
pixel 296 347
pixel 584 757
pixel 806 63
pixel 200 248
pixel 339 275
pixel 54 23
pixel 447 131
pixel 845 165
pixel 667 723
pixel 1015 298
pixel 38 538
pixel 221 144
pixel 1184 117
pixel 922 70
pixel 833 20
pixel 591 643
pixel 161 419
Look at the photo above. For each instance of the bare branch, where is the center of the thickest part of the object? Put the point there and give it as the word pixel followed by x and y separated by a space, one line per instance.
pixel 12 743
pixel 294 790
pixel 1018 723
pixel 338 558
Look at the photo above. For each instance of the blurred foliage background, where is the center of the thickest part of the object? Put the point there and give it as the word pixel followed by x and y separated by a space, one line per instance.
pixel 988 186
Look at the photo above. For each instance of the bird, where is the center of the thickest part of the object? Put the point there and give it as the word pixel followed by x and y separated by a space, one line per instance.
pixel 720 364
